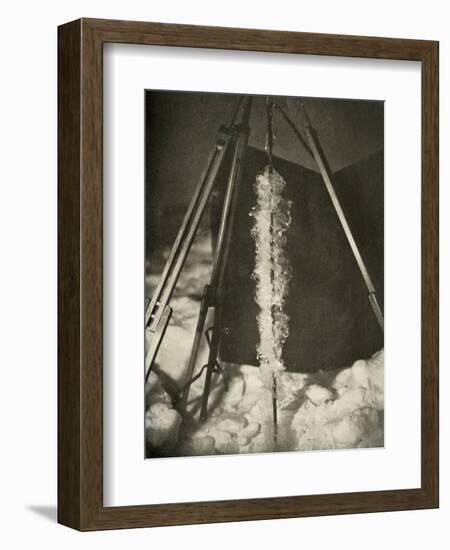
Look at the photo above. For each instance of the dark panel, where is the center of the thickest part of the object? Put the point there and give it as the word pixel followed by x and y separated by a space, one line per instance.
pixel 331 321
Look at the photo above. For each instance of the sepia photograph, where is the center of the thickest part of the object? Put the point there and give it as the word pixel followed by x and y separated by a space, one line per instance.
pixel 239 210
pixel 264 274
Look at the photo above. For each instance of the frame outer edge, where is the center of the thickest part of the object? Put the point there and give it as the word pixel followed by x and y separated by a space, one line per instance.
pixel 91 277
pixel 258 40
pixel 430 274
pixel 80 400
pixel 69 243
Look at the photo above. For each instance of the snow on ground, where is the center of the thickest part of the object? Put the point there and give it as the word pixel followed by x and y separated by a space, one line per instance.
pixel 336 409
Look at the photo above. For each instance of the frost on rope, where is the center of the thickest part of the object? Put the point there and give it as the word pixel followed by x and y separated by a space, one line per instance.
pixel 272 217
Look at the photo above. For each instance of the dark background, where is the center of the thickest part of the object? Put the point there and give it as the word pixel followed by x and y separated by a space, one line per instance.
pixel 331 321
pixel 181 129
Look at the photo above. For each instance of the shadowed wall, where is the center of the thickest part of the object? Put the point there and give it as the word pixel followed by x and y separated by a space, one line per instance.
pixel 181 129
pixel 331 321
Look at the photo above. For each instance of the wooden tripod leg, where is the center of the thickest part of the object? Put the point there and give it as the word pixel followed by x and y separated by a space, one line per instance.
pixel 199 331
pixel 223 246
pixel 325 172
pixel 212 360
pixel 156 319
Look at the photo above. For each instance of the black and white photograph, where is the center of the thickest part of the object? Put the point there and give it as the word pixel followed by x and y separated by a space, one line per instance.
pixel 264 274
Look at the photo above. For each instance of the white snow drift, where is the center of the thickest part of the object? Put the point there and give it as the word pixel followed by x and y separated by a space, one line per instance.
pixel 343 408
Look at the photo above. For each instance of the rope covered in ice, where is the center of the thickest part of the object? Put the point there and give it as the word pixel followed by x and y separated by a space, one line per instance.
pixel 272 272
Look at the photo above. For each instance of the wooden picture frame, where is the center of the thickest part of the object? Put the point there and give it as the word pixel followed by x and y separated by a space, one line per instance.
pixel 80 270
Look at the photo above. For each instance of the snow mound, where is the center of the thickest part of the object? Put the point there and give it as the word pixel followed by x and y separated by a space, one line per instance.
pixel 330 410
pixel 347 412
pixel 353 418
pixel 162 421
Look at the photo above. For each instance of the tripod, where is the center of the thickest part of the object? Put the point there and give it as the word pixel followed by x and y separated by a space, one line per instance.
pixel 158 311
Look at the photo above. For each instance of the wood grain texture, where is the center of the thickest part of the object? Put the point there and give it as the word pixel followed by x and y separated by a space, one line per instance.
pixel 69 243
pixel 430 272
pixel 80 241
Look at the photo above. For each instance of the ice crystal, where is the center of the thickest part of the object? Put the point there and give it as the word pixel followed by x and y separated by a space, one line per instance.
pixel 272 272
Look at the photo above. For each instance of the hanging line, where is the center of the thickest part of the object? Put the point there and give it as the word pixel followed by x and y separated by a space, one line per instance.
pixel 294 128
pixel 269 133
pixel 269 151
